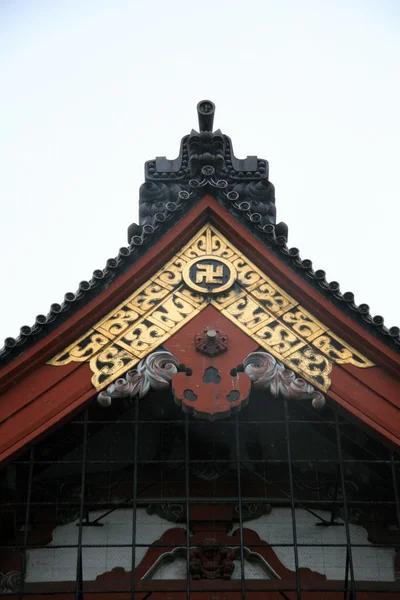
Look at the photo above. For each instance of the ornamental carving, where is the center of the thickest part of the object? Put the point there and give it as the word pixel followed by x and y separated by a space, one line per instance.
pixel 269 374
pixel 209 270
pixel 211 342
pixel 206 162
pixel 208 389
pixel 10 582
pixel 211 560
pixel 154 372
pixel 209 275
pixel 253 510
pixel 171 511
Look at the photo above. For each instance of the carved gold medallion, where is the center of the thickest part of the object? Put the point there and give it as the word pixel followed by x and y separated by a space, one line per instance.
pixel 208 274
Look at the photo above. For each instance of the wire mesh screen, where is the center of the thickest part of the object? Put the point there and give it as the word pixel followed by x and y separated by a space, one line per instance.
pixel 142 500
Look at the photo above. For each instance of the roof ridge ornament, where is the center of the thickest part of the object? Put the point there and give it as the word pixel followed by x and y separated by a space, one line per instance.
pixel 205 113
pixel 206 164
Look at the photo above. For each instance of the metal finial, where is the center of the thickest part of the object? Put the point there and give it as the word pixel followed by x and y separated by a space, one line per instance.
pixel 206 111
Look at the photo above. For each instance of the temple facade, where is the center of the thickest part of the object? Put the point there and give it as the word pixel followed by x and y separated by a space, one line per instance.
pixel 208 417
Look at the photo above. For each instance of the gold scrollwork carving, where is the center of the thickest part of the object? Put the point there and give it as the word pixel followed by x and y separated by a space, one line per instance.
pixel 220 248
pixel 109 364
pixel 334 348
pixel 252 301
pixel 247 312
pixel 171 275
pixel 141 338
pixel 247 274
pixel 119 321
pixel 148 297
pixel 224 299
pixel 198 246
pixel 173 311
pixel 209 275
pixel 278 337
pixel 191 296
pixel 81 350
pixel 312 365
pixel 303 323
pixel 272 298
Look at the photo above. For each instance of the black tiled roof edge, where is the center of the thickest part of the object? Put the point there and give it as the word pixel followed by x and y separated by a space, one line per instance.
pixel 206 164
pixel 145 237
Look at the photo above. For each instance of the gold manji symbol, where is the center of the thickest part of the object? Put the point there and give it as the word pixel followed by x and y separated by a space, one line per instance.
pixel 209 274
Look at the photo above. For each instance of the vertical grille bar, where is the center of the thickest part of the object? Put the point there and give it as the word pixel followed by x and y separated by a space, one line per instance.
pixel 292 503
pixel 239 486
pixel 79 567
pixel 349 557
pixel 187 491
pixel 134 491
pixel 346 576
pixel 395 489
pixel 27 520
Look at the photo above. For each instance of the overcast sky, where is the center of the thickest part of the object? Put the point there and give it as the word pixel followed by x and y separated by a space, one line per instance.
pixel 89 90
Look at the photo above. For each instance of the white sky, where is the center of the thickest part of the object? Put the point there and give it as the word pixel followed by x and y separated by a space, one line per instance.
pixel 89 90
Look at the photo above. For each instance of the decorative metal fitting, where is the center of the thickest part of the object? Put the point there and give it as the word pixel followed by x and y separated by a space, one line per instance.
pixel 211 342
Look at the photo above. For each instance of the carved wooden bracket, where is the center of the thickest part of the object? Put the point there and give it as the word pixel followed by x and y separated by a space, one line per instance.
pixel 210 387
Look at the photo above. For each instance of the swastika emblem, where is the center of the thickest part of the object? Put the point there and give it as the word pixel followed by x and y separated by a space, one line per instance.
pixel 208 274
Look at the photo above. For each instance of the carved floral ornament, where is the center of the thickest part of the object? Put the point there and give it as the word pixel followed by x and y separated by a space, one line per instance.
pixel 211 560
pixel 157 370
pixel 210 270
pixel 10 582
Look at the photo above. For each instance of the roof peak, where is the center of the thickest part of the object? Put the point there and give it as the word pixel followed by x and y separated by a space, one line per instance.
pixel 206 164
pixel 205 114
pixel 206 147
pixel 247 196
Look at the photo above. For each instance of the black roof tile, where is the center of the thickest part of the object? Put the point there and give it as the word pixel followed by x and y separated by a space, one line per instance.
pixel 206 164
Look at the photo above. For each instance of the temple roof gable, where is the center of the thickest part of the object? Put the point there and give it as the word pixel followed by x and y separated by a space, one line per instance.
pixel 206 166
